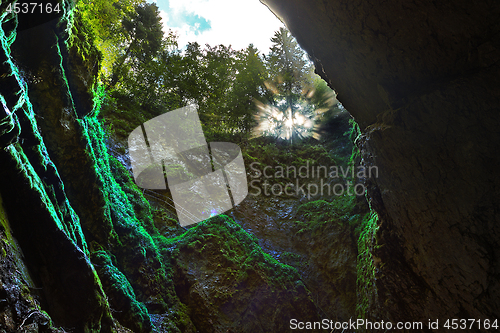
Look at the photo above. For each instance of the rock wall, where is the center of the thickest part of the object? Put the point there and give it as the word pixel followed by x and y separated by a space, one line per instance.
pixel 421 78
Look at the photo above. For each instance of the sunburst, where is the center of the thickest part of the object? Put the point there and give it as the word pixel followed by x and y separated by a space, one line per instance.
pixel 282 122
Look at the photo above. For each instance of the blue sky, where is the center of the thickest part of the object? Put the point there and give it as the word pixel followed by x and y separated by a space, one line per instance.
pixel 229 22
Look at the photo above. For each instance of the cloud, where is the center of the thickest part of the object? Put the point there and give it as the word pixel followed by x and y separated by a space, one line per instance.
pixel 229 22
pixel 196 23
pixel 175 16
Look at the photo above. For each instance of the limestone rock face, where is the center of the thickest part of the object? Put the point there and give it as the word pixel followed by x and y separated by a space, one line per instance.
pixel 422 80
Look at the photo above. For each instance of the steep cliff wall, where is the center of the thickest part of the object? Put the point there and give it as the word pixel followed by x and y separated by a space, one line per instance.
pixel 40 214
pixel 422 80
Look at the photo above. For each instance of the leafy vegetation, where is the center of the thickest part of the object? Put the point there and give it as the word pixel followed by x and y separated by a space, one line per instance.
pixel 146 74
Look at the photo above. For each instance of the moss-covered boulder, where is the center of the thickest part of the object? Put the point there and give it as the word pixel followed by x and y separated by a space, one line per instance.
pixel 229 283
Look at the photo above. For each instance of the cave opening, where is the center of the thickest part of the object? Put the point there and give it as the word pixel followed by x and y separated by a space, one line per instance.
pixel 390 217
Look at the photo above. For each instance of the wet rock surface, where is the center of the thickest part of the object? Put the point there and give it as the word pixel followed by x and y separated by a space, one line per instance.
pixel 228 283
pixel 325 256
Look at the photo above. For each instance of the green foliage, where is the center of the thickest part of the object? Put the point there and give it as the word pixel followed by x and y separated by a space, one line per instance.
pixel 354 133
pixel 147 73
pixel 289 70
pixel 98 99
pixel 122 115
pixel 104 18
pixel 144 31
pixel 248 87
pixel 144 39
pixel 217 73
pixel 320 95
pixel 346 209
pixel 223 83
pixel 295 98
pixel 262 152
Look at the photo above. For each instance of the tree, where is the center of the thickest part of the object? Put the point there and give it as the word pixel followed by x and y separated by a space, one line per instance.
pixel 218 73
pixel 104 18
pixel 298 95
pixel 144 39
pixel 290 73
pixel 153 84
pixel 248 87
pixel 232 81
pixel 288 67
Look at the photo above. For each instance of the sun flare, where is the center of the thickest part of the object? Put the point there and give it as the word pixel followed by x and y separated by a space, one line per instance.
pixel 302 122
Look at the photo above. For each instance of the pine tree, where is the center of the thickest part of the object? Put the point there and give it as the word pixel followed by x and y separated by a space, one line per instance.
pixel 290 74
pixel 289 69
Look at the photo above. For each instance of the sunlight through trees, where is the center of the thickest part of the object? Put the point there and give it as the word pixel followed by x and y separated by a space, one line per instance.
pixel 241 93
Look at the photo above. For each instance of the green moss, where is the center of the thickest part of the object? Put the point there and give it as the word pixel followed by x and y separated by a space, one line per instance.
pixel 4 224
pixel 99 98
pixel 286 161
pixel 62 214
pixel 267 152
pixel 130 312
pixel 230 245
pixel 366 290
pixel 120 222
pixel 354 133
pixel 121 115
pixel 128 223
pixel 365 232
pixel 123 198
pixel 342 209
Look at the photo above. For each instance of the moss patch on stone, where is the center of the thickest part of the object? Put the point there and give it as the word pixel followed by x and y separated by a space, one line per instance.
pixel 366 266
pixel 121 296
pixel 227 280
